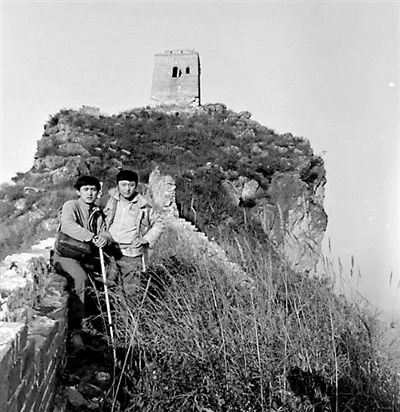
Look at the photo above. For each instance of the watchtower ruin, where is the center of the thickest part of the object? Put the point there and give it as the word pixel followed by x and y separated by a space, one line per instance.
pixel 176 78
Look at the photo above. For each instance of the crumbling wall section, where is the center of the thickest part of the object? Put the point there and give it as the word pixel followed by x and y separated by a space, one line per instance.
pixel 161 193
pixel 33 327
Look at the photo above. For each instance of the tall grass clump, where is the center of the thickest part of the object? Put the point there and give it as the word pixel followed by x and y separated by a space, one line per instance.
pixel 196 337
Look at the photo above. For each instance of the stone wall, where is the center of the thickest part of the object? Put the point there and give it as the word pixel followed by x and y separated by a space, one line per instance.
pixel 161 194
pixel 33 326
pixel 291 216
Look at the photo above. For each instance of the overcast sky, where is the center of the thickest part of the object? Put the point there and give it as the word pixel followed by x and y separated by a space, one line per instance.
pixel 327 71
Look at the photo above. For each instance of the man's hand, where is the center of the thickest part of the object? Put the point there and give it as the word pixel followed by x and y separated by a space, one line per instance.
pixel 99 241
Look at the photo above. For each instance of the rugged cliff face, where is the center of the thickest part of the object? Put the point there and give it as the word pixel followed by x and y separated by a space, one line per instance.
pixel 290 213
pixel 231 173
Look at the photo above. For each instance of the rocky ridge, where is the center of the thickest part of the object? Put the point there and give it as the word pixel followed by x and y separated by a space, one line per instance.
pixel 229 171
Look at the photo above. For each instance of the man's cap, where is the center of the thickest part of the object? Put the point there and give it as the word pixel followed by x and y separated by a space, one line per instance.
pixel 128 175
pixel 87 180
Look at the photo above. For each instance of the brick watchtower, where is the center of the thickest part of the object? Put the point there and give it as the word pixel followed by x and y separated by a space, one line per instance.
pixel 176 78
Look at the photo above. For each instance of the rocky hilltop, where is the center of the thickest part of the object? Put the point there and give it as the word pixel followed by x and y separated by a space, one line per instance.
pixel 231 173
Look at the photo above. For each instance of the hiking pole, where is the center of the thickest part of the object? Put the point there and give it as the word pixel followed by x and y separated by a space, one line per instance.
pixel 103 272
pixel 144 256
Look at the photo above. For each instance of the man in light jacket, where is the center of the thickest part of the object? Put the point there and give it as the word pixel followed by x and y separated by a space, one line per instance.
pixel 133 224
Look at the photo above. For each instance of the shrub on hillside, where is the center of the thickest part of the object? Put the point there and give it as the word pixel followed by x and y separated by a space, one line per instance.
pixel 11 192
pixel 186 141
pixel 20 228
pixel 199 149
pixel 18 236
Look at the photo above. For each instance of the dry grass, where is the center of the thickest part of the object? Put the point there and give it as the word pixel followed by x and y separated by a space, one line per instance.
pixel 191 339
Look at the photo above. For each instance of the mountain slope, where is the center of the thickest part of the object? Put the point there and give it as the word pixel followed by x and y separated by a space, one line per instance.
pixel 228 324
pixel 231 172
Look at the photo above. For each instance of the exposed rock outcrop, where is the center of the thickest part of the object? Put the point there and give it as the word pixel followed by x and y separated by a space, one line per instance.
pixel 291 216
pixel 162 193
pixel 210 151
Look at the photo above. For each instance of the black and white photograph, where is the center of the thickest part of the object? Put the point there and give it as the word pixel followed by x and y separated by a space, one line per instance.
pixel 200 206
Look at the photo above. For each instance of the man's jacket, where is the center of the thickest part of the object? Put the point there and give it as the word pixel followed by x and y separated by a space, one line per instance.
pixel 80 221
pixel 141 218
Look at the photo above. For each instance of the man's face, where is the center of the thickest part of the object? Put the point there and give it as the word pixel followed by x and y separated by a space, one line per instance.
pixel 126 188
pixel 88 194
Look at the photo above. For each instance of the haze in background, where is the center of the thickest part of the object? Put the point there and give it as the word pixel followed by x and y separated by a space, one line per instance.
pixel 326 71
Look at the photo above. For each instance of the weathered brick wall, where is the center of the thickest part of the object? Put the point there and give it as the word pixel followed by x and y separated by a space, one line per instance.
pixel 33 308
pixel 33 326
pixel 181 87
pixel 162 194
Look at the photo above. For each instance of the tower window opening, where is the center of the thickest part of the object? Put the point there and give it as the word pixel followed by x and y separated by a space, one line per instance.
pixel 174 71
pixel 187 70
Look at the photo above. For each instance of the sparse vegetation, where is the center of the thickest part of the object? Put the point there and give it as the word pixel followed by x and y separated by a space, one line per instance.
pixel 20 222
pixel 189 140
pixel 199 149
pixel 192 340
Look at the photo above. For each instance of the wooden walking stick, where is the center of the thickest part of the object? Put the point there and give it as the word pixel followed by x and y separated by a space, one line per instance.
pixel 103 272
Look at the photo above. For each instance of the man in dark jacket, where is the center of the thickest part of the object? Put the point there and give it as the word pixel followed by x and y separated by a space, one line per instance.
pixel 82 221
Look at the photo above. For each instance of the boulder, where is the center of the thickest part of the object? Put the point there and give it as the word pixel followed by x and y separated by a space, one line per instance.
pixel 20 204
pixel 290 213
pixel 70 149
pixel 245 115
pixel 50 162
pixel 74 167
pixel 85 140
pixel 31 215
pixel 243 190
pixel 28 190
pixel 249 191
pixel 161 193
pixel 295 220
pixel 49 225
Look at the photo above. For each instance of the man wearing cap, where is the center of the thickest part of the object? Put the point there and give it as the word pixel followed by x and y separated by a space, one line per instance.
pixel 133 224
pixel 82 221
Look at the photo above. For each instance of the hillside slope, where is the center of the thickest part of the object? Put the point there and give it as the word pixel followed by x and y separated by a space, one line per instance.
pixel 230 321
pixel 231 173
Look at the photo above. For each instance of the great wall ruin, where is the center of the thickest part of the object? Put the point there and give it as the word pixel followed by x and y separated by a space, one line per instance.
pixel 33 313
